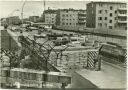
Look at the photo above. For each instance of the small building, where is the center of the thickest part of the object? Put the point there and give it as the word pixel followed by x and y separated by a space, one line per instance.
pixel 33 18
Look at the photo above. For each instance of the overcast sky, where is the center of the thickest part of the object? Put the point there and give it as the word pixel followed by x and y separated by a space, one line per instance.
pixel 35 7
pixel 8 8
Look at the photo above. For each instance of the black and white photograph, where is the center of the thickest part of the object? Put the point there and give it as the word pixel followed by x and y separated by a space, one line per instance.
pixel 63 44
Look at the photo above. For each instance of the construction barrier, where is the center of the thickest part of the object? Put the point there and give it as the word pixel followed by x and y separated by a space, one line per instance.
pixel 91 59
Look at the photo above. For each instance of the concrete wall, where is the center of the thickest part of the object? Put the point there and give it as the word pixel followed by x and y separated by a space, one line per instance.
pixel 120 41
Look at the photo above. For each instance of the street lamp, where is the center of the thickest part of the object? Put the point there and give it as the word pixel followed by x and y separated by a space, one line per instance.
pixel 22 9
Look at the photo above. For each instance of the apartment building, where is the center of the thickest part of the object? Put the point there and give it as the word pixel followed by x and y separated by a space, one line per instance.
pixel 49 16
pixel 13 20
pixel 107 15
pixel 67 19
pixel 70 19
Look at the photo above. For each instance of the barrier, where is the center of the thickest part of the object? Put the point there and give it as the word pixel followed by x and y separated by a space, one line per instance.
pixel 91 59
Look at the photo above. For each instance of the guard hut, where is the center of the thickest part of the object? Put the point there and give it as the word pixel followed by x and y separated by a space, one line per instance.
pixel 92 59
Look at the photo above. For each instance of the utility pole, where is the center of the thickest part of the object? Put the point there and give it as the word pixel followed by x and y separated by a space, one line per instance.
pixel 22 10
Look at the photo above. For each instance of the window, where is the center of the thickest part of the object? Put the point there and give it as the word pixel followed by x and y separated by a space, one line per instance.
pixel 100 24
pixel 66 23
pixel 100 11
pixel 70 23
pixel 111 7
pixel 115 12
pixel 92 11
pixel 110 14
pixel 100 5
pixel 105 24
pixel 67 15
pixel 110 27
pixel 106 11
pixel 99 18
pixel 105 18
pixel 110 21
pixel 63 15
pixel 115 18
pixel 92 5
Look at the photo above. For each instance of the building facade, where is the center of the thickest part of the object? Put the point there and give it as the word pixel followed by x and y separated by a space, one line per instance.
pixel 70 19
pixel 34 18
pixel 82 18
pixel 14 20
pixel 107 15
pixel 49 16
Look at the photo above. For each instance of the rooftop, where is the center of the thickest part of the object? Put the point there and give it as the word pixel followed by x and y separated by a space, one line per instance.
pixel 112 2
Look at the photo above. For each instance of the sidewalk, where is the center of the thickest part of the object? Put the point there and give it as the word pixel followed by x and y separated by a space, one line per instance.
pixel 109 77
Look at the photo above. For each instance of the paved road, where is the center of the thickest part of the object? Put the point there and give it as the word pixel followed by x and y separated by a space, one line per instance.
pixel 110 76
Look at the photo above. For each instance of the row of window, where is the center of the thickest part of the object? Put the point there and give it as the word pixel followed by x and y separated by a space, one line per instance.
pixel 100 25
pixel 106 11
pixel 67 15
pixel 67 19
pixel 68 23
pixel 111 7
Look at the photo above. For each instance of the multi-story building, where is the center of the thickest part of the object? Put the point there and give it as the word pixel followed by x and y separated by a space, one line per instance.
pixel 70 19
pixel 49 16
pixel 14 20
pixel 33 18
pixel 106 15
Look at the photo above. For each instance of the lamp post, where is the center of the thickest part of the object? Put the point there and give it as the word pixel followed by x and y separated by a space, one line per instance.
pixel 22 9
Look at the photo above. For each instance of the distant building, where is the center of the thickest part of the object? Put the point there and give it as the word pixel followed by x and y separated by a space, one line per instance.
pixel 14 20
pixel 107 15
pixel 70 19
pixel 33 18
pixel 49 16
pixel 3 21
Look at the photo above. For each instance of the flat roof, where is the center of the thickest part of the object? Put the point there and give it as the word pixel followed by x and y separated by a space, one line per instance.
pixel 112 2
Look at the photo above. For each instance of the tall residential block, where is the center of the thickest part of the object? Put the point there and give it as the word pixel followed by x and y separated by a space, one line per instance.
pixel 106 15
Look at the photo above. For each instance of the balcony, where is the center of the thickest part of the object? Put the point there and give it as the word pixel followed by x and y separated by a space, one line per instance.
pixel 81 18
pixel 119 21
pixel 81 21
pixel 122 9
pixel 122 15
